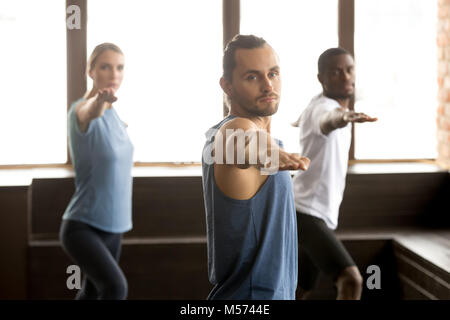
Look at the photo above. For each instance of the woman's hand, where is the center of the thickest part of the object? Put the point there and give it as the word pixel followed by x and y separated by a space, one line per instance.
pixel 106 95
pixel 94 107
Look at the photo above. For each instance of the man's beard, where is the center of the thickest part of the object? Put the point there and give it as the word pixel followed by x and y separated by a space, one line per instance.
pixel 340 96
pixel 254 110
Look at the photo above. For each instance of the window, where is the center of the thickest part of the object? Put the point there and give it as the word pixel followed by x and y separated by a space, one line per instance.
pixel 170 94
pixel 396 78
pixel 33 80
pixel 299 31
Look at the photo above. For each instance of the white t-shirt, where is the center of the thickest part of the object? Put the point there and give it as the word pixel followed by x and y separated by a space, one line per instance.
pixel 319 190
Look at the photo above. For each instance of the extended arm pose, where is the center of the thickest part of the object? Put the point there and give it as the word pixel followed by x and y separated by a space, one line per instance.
pixel 247 188
pixel 102 155
pixel 325 136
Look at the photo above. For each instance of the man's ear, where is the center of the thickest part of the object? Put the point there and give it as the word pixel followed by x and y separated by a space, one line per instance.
pixel 226 86
pixel 319 77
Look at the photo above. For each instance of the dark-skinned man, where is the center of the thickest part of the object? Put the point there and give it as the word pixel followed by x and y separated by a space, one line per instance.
pixel 325 137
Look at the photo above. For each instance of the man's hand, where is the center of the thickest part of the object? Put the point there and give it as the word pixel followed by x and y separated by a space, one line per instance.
pixel 338 118
pixel 288 161
pixel 256 148
pixel 352 116
pixel 293 161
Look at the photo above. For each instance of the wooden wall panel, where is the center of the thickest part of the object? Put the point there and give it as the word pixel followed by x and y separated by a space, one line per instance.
pixel 393 200
pixel 169 232
pixel 171 206
pixel 162 206
pixel 153 270
pixel 168 207
pixel 13 242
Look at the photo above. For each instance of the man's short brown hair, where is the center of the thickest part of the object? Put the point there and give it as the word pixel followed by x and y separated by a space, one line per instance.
pixel 239 41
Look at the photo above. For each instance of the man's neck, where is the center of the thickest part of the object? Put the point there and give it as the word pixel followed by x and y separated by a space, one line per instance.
pixel 261 122
pixel 343 102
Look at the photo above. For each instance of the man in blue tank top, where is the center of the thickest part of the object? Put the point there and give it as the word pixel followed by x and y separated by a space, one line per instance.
pixel 250 211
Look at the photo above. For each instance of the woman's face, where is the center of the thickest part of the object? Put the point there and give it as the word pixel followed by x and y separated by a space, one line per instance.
pixel 108 70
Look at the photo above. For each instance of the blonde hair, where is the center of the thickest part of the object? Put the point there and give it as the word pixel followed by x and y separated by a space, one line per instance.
pixel 98 50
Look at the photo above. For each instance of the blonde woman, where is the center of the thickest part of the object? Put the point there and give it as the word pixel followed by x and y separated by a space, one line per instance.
pixel 102 155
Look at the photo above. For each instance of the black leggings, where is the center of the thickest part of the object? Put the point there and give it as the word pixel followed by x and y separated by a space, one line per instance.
pixel 319 250
pixel 97 253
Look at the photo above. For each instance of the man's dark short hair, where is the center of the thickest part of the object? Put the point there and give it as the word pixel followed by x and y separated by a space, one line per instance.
pixel 327 55
pixel 239 41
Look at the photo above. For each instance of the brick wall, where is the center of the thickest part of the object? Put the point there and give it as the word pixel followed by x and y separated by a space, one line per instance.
pixel 443 114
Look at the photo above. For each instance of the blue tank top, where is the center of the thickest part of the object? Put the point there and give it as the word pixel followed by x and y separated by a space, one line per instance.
pixel 103 159
pixel 252 244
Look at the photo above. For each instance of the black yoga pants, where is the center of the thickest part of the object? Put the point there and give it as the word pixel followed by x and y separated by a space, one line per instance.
pixel 97 254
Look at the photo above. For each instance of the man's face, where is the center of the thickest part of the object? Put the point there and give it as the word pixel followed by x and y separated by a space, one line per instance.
pixel 256 83
pixel 338 80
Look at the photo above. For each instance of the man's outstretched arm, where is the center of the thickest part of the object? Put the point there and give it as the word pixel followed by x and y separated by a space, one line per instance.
pixel 339 118
pixel 243 144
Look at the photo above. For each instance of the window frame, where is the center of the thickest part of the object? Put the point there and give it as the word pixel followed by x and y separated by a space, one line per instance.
pixel 76 44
